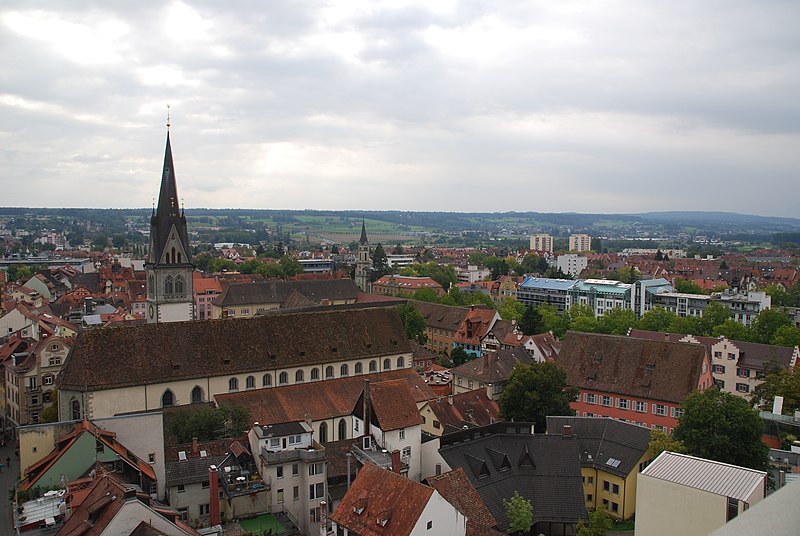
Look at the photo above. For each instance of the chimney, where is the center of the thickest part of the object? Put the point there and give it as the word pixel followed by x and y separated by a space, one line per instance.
pixel 213 496
pixel 396 461
pixel 450 399
pixel 567 432
pixel 367 408
pixel 195 447
pixel 130 494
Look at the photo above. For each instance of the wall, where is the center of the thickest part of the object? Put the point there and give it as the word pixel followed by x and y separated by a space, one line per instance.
pixel 431 458
pixel 665 508
pixel 444 518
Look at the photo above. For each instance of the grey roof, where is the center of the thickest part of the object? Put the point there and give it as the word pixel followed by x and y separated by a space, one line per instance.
pixel 190 471
pixel 545 283
pixel 543 469
pixel 776 515
pixel 603 441
pixel 284 429
pixel 492 367
pixel 315 290
pixel 706 475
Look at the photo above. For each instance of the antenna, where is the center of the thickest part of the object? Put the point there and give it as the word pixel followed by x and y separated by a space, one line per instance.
pixel 167 116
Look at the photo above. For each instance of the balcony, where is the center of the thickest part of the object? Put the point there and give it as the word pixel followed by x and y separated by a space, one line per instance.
pixel 237 481
pixel 316 453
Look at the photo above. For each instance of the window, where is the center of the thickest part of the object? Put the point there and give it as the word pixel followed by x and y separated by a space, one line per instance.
pixel 283 378
pixel 720 383
pixel 76 409
pixel 343 370
pixel 660 409
pixel 296 493
pixel 280 495
pixel 590 398
pixel 179 285
pixel 167 399
pixel 359 368
pixel 623 403
pixel 718 354
pixel 373 366
pixel 718 369
pixel 197 394
pixel 743 372
pixel 606 400
pixel 589 497
pixel 402 433
pixel 315 468
pixel 469 384
pixel 151 458
pixel 295 469
pixel 742 388
pixel 342 429
pixel 606 485
pixel 204 484
pixel 250 382
pixel 438 469
pixel 184 513
pixel 406 452
pixel 323 432
pixel 436 424
pixel 295 439
pixel 279 471
pixel 316 491
pixel 641 407
pixel 614 507
pixel 245 311
pixel 181 488
pixel 400 362
pixel 387 364
pixel 590 480
pixel 233 384
pixel 298 376
pixel 205 509
pixel 328 372
pixel 605 503
pixel 314 374
pixel 54 361
pixel 676 413
pixel 733 508
pixel 615 489
pixel 275 442
pixel 168 285
pixel 314 515
pixel 430 525
pixel 266 380
pixel 731 356
pixel 47 380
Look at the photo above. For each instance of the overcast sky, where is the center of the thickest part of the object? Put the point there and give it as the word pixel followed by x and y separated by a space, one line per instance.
pixel 584 106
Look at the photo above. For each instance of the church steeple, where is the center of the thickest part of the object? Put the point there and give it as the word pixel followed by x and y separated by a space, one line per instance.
pixel 363 262
pixel 363 240
pixel 167 213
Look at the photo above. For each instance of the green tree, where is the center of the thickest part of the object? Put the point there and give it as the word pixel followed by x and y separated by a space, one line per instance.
pixel 714 315
pixel 617 321
pixel 733 330
pixel 558 324
pixel 519 512
pixel 661 441
pixel 208 423
pixel 19 273
pixel 600 522
pixel 787 335
pixel 290 266
pixel 459 356
pixel 398 250
pixel 688 287
pixel 721 426
pixel 629 274
pixel 657 319
pixel 535 391
pixel 511 309
pixel 532 263
pixel 531 322
pixel 778 381
pixel 413 322
pixel 766 324
pixel 380 263
pixel 426 295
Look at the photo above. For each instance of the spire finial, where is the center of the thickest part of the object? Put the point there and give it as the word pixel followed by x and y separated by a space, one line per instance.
pixel 167 116
pixel 154 206
pixel 183 206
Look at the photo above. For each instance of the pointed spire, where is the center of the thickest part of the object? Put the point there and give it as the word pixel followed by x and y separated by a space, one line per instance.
pixel 168 210
pixel 363 240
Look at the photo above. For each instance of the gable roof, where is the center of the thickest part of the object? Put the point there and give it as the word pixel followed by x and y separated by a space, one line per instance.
pixel 657 370
pixel 472 408
pixel 439 316
pixel 400 500
pixel 492 367
pixel 456 489
pixel 393 405
pixel 603 441
pixel 147 354
pixel 327 399
pixel 476 325
pixel 314 291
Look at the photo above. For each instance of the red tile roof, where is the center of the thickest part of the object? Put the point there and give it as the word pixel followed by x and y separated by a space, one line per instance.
pixel 393 405
pixel 456 489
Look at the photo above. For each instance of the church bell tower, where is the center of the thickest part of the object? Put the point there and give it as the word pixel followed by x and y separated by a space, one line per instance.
pixel 168 267
pixel 363 262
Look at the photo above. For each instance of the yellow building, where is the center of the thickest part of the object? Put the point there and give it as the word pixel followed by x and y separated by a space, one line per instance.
pixel 613 453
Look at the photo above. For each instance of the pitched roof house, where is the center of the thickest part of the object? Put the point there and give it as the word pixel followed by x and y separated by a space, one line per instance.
pixel 490 371
pixel 456 489
pixel 476 326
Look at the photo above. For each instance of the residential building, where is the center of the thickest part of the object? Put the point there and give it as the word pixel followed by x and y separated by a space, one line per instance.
pixel 246 300
pixel 537 291
pixel 472 273
pixel 542 347
pixel 634 380
pixel 383 502
pixel 613 453
pixel 456 489
pixel 502 458
pixel 505 287
pixel 580 243
pixel 140 368
pixel 169 267
pixel 478 323
pixel 542 242
pixel 571 263
pixel 363 262
pixel 489 371
pixel 394 285
pixel 777 514
pixel 744 306
pixel 681 494
pixel 469 409
pixel 206 289
pixel 397 260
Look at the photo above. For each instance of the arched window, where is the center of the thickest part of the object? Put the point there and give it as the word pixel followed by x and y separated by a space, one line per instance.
pixel 179 257
pixel 373 366
pixel 359 368
pixel 168 285
pixel 266 380
pixel 328 372
pixel 323 432
pixel 167 399
pixel 283 379
pixel 197 394
pixel 76 409
pixel 314 374
pixel 173 255
pixel 166 257
pixel 387 364
pixel 298 376
pixel 250 382
pixel 342 429
pixel 400 362
pixel 179 285
pixel 344 370
pixel 233 384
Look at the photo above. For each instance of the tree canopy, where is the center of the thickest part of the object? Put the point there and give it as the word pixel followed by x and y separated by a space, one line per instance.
pixel 600 522
pixel 779 381
pixel 721 426
pixel 413 322
pixel 535 391
pixel 207 423
pixel 519 512
pixel 531 322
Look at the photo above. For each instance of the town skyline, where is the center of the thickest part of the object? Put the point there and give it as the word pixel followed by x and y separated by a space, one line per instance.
pixel 568 108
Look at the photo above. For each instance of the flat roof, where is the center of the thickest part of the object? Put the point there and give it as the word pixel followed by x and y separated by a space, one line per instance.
pixel 548 284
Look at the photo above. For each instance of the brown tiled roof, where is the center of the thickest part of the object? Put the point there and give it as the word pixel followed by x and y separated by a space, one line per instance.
pixel 325 400
pixel 475 326
pixel 492 366
pixel 472 408
pixel 456 489
pixel 111 358
pixel 754 355
pixel 399 499
pixel 408 283
pixel 658 370
pixel 315 291
pixel 441 316
pixel 393 405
